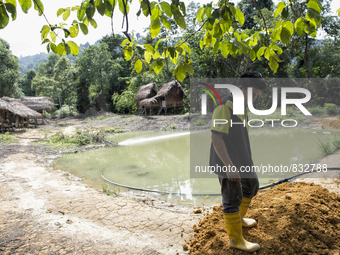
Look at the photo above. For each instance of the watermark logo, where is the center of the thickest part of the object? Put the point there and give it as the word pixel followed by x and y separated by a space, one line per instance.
pixel 238 99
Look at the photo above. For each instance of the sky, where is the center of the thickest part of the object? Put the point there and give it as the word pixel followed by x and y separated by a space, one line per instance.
pixel 23 34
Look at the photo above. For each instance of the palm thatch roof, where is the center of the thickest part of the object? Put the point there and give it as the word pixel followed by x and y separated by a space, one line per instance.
pixel 149 102
pixel 20 109
pixel 146 91
pixel 6 106
pixel 174 86
pixel 38 104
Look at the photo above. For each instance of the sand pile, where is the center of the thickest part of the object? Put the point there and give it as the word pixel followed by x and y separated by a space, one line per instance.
pixel 293 218
pixel 333 122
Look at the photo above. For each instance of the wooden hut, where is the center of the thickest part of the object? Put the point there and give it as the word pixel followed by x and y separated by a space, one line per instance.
pixel 145 92
pixel 38 104
pixel 6 111
pixel 20 113
pixel 170 96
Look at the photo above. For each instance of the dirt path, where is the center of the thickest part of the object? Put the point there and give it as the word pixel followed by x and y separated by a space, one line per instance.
pixel 46 211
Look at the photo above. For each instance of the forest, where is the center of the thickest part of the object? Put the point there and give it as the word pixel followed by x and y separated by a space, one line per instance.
pixel 105 77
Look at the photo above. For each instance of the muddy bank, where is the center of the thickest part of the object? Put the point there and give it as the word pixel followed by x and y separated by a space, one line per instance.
pixel 293 218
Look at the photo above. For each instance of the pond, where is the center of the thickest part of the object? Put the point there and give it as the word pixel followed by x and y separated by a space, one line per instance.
pixel 161 160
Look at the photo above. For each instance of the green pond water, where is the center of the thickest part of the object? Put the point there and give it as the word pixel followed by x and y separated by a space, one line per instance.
pixel 161 160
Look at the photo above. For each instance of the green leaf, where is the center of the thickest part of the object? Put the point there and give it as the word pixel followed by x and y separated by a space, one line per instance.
pixel 54 48
pixel 338 11
pixel 239 17
pixel 155 13
pixel 12 10
pixel 182 7
pixel 101 8
pixel 149 48
pixel 90 10
pixel 25 5
pixel 66 14
pixel 289 25
pixel 252 55
pixel 300 26
pixel 180 72
pixel 44 31
pixel 38 6
pixel 93 23
pixel 189 69
pixel 61 49
pixel 279 9
pixel 216 47
pixel 199 14
pixel 14 2
pixel 166 23
pixel 155 28
pixel 277 49
pixel 53 36
pixel 285 13
pixel 67 49
pixel 201 44
pixel 225 50
pixel 138 66
pixel 74 30
pixel 260 52
pixel 285 35
pixel 128 53
pixel 48 47
pixel 4 18
pixel 273 64
pixel 159 65
pixel 60 11
pixel 316 5
pixel 147 56
pixel 74 48
pixel 83 28
pixel 179 18
pixel 81 14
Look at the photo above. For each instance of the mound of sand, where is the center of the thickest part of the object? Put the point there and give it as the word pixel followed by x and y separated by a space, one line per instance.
pixel 332 122
pixel 293 218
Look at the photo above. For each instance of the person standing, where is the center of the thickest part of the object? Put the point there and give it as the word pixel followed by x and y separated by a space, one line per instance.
pixel 231 148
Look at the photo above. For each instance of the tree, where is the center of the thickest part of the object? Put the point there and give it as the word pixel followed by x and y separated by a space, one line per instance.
pixel 220 24
pixel 249 10
pixel 64 81
pixel 26 83
pixel 96 66
pixel 83 100
pixel 9 71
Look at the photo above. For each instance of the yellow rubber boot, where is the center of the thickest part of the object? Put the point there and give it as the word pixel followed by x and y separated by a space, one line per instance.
pixel 246 222
pixel 234 230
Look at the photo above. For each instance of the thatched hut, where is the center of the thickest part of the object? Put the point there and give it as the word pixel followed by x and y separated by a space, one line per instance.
pixel 145 92
pixel 171 95
pixel 38 104
pixel 20 113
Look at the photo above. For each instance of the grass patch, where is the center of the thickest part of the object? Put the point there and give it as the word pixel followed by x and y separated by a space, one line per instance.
pixel 81 137
pixel 108 191
pixel 101 117
pixel 331 146
pixel 7 138
pixel 173 125
pixel 112 130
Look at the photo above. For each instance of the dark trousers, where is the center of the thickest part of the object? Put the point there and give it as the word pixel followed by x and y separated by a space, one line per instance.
pixel 232 192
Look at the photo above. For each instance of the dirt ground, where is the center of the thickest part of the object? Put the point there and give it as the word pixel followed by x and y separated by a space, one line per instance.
pixel 47 211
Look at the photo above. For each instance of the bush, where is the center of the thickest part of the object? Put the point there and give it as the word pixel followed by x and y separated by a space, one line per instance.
pixel 316 110
pixel 7 138
pixel 66 111
pixel 331 109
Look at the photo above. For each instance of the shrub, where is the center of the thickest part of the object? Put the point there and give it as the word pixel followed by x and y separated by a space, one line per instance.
pixel 316 110
pixel 331 108
pixel 65 111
